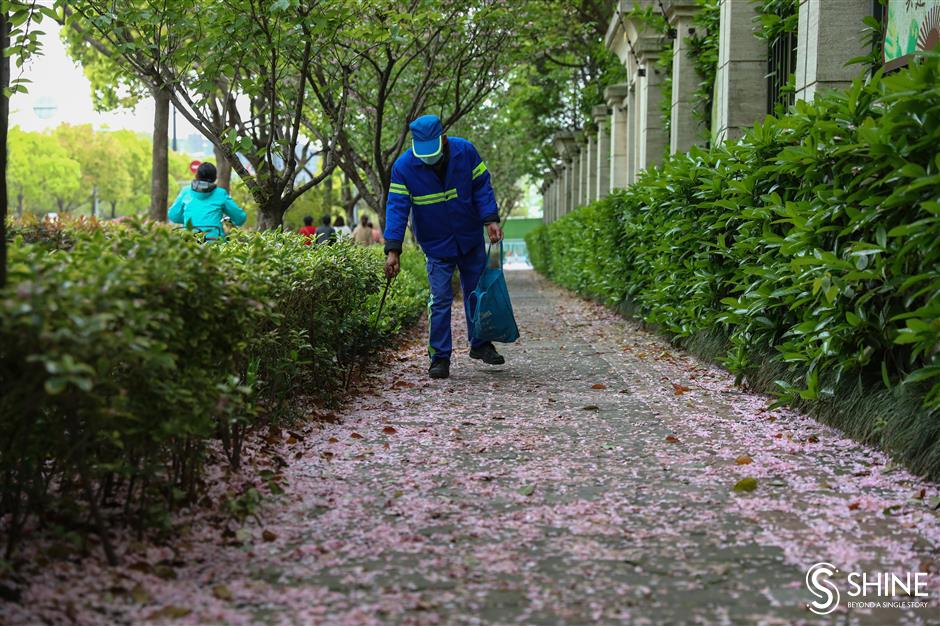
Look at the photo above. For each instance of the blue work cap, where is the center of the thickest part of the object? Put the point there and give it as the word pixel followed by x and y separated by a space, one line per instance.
pixel 426 134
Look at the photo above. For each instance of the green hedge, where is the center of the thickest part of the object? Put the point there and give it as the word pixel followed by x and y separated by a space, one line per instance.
pixel 125 350
pixel 814 240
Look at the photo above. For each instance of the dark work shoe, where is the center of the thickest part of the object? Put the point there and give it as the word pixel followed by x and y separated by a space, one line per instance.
pixel 488 354
pixel 440 368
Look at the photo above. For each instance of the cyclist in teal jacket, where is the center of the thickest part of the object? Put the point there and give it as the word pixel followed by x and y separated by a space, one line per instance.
pixel 202 205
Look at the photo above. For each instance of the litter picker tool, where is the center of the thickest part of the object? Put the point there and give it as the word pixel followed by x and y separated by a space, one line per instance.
pixel 375 327
pixel 378 314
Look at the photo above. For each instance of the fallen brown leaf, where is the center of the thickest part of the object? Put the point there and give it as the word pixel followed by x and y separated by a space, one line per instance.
pixel 356 436
pixel 743 460
pixel 140 595
pixel 222 592
pixel 746 485
pixel 169 612
pixel 267 535
pixel 672 439
pixel 388 430
pixel 679 389
pixel 598 386
pixel 853 506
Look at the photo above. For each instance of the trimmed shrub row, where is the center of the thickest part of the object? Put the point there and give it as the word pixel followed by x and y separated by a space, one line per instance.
pixel 124 350
pixel 806 255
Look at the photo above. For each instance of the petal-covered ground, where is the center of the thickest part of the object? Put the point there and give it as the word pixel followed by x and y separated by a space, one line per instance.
pixel 590 480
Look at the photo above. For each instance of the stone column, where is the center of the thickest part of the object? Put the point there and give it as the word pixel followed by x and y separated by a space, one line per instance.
pixel 574 163
pixel 632 103
pixel 619 136
pixel 651 141
pixel 564 141
pixel 582 170
pixel 569 199
pixel 591 169
pixel 602 155
pixel 547 217
pixel 547 194
pixel 543 189
pixel 830 33
pixel 741 79
pixel 577 164
pixel 684 130
pixel 562 191
pixel 553 196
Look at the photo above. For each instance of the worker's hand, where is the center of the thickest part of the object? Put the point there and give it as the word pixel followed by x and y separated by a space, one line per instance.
pixel 494 231
pixel 392 264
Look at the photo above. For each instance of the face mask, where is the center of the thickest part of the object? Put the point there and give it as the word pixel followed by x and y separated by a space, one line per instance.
pixel 432 160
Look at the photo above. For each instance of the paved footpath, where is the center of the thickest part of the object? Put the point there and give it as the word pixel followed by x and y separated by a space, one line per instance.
pixel 590 480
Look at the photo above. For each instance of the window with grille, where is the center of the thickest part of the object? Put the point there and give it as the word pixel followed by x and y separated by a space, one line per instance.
pixel 781 63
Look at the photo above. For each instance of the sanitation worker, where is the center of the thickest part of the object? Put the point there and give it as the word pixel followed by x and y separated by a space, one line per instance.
pixel 443 184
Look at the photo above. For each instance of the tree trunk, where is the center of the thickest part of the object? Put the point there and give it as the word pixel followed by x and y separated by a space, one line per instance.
pixel 270 215
pixel 381 211
pixel 349 201
pixel 328 195
pixel 4 124
pixel 19 204
pixel 159 176
pixel 271 209
pixel 113 209
pixel 224 169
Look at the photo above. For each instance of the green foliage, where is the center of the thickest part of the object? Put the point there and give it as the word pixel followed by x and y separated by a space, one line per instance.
pixel 558 76
pixel 25 19
pixel 813 243
pixel 59 170
pixel 126 349
pixel 874 36
pixel 41 175
pixel 199 63
pixel 112 85
pixel 776 18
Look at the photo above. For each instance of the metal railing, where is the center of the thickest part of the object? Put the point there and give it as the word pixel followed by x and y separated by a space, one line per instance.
pixel 781 64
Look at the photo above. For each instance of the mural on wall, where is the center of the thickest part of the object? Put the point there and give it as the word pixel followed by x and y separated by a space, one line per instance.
pixel 913 25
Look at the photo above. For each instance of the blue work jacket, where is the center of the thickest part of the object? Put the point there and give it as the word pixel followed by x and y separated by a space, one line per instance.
pixel 447 218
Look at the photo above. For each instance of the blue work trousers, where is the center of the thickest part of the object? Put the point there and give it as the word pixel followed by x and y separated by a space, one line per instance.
pixel 440 275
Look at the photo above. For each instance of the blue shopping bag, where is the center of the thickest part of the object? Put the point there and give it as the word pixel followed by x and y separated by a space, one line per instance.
pixel 491 309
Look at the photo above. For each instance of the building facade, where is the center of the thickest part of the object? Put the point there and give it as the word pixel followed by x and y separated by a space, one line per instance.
pixel 628 133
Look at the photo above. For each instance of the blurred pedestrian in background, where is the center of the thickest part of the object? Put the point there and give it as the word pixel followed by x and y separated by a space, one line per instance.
pixel 308 230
